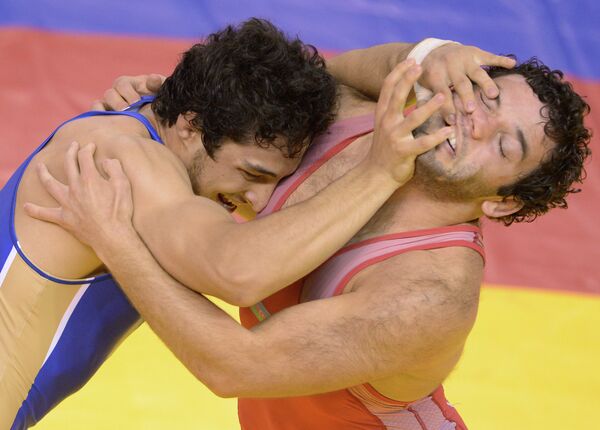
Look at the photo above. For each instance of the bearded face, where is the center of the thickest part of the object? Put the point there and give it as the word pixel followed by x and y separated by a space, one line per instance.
pixel 454 182
pixel 498 143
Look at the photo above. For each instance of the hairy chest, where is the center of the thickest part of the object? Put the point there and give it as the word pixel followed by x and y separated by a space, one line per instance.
pixel 331 170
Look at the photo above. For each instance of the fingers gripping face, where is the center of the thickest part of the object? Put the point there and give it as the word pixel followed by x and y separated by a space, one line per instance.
pixel 466 69
pixel 394 147
pixel 458 67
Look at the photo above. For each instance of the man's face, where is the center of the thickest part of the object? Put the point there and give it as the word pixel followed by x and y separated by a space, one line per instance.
pixel 240 174
pixel 500 142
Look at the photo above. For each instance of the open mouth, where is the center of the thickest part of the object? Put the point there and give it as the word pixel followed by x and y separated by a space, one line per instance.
pixel 452 144
pixel 226 203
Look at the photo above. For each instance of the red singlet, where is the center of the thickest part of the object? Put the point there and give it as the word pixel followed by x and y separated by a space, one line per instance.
pixel 360 407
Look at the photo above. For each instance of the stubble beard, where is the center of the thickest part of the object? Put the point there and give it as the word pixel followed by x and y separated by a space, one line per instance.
pixel 195 170
pixel 442 183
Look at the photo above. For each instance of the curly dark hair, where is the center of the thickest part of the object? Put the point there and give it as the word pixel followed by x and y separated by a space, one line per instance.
pixel 564 110
pixel 251 84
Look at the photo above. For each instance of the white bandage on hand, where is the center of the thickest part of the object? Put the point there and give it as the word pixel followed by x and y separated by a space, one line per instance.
pixel 418 53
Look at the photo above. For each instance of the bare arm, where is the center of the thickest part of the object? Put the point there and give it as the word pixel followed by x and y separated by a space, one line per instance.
pixel 449 66
pixel 380 330
pixel 197 241
pixel 366 69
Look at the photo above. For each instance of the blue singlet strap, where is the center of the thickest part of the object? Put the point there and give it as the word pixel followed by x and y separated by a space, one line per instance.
pixel 142 101
pixel 131 111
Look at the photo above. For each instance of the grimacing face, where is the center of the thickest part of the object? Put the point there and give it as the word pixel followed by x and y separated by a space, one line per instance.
pixel 240 175
pixel 500 142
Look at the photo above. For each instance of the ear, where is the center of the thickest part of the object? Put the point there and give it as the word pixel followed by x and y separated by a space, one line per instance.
pixel 500 206
pixel 185 131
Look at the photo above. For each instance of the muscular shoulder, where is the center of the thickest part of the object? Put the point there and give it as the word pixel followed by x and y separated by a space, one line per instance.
pixel 148 164
pixel 438 290
pixel 141 154
pixel 453 266
pixel 155 171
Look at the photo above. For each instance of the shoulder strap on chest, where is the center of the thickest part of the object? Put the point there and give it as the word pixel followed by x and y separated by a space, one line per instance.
pixel 333 141
pixel 331 278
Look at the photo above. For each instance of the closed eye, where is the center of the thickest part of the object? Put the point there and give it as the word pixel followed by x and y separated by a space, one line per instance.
pixel 501 148
pixel 250 176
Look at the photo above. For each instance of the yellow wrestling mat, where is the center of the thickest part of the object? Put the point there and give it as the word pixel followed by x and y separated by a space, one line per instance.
pixel 531 364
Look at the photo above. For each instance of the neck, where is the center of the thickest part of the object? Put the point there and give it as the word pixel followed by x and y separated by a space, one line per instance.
pixel 147 112
pixel 412 208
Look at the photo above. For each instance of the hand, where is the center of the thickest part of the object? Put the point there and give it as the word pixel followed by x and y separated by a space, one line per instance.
pixel 458 67
pixel 93 209
pixel 394 148
pixel 127 90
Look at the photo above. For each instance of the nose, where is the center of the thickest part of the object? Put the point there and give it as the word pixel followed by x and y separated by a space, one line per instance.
pixel 483 124
pixel 258 197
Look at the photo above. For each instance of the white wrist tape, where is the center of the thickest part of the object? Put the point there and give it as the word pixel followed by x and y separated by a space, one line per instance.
pixel 418 53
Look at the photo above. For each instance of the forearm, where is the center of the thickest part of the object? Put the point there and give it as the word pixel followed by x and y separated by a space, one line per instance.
pixel 199 244
pixel 223 355
pixel 319 346
pixel 365 69
pixel 229 359
pixel 263 256
pixel 226 357
pixel 202 336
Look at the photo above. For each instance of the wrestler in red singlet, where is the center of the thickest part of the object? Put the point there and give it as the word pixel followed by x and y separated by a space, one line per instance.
pixel 360 407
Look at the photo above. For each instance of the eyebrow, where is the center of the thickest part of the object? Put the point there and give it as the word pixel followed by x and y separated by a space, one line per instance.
pixel 259 169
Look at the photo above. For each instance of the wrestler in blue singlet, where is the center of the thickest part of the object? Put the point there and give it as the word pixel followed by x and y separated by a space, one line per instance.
pixel 94 318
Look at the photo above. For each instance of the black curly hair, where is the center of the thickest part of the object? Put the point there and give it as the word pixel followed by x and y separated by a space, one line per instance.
pixel 251 84
pixel 564 111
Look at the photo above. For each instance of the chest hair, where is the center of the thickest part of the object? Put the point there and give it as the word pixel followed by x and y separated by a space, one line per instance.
pixel 331 170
